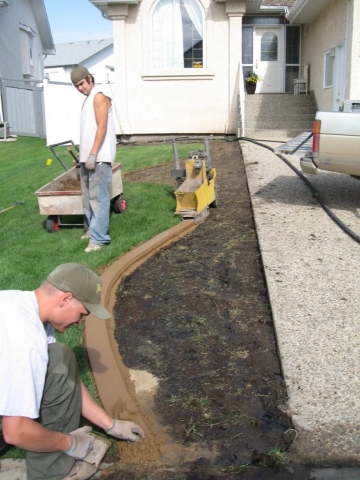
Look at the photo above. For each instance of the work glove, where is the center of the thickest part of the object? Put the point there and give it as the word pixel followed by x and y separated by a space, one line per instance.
pixel 125 431
pixel 81 443
pixel 90 162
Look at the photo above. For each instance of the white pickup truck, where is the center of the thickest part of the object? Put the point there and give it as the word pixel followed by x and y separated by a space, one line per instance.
pixel 336 144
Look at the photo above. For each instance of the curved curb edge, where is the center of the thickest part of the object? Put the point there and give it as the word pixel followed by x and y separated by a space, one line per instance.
pixel 108 369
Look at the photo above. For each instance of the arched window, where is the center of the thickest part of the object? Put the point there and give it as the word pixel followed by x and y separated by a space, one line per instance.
pixel 177 34
pixel 269 47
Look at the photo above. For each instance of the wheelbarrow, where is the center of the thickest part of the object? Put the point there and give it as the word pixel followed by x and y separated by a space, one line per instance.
pixel 61 197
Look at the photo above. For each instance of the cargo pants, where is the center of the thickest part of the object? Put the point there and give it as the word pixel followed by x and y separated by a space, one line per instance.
pixel 60 410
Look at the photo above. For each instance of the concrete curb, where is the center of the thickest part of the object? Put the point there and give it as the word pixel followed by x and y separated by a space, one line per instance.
pixel 109 372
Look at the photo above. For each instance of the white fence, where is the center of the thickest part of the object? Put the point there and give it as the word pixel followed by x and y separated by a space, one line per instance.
pixel 62 111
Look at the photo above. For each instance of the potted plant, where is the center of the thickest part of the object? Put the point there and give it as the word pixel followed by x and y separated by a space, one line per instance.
pixel 251 79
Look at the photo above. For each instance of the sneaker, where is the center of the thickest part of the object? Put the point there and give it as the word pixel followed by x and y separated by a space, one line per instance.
pixel 92 247
pixel 81 471
pixel 86 236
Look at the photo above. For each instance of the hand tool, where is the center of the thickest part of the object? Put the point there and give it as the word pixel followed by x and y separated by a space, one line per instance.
pixel 12 206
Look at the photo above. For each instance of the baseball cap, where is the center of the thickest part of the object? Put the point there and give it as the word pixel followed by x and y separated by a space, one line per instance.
pixel 78 73
pixel 83 283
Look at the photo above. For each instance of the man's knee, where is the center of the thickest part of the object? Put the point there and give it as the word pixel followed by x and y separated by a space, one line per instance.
pixel 62 362
pixel 62 383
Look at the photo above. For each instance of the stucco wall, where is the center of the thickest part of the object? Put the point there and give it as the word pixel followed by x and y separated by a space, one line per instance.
pixel 181 101
pixel 326 32
pixel 354 52
pixel 10 58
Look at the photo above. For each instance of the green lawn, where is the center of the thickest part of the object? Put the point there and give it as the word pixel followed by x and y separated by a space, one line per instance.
pixel 30 252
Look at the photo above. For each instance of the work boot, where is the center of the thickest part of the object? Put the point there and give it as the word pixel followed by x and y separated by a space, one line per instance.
pixel 81 471
pixel 96 454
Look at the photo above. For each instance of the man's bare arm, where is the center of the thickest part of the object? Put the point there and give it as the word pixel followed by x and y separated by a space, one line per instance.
pixel 30 435
pixel 102 105
pixel 93 412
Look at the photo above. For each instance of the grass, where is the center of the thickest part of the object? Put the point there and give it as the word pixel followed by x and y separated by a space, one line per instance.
pixel 30 253
pixel 278 457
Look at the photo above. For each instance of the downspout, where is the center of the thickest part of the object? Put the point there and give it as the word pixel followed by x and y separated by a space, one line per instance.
pixel 241 119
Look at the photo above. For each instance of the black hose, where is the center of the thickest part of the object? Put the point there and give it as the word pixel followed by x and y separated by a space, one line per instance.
pixel 331 214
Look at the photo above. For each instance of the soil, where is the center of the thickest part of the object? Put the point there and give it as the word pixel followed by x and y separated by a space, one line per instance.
pixel 196 320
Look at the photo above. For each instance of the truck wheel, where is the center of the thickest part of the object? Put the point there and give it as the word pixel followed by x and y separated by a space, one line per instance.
pixel 52 224
pixel 120 204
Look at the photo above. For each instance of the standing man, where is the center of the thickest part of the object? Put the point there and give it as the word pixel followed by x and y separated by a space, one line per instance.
pixel 97 153
pixel 41 395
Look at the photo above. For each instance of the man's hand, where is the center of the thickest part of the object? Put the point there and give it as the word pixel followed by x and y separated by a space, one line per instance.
pixel 90 162
pixel 126 431
pixel 81 443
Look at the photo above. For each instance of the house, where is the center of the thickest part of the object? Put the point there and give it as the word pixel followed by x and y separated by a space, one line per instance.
pixel 186 79
pixel 62 101
pixel 95 55
pixel 25 38
pixel 330 32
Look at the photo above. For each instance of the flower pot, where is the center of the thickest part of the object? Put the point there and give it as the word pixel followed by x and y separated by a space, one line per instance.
pixel 250 88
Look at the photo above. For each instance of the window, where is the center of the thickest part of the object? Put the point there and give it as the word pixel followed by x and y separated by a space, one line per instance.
pixel 177 35
pixel 292 45
pixel 328 68
pixel 292 68
pixel 247 45
pixel 269 47
pixel 27 35
pixel 251 20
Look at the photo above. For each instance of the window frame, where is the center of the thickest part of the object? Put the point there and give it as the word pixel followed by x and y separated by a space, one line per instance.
pixel 153 72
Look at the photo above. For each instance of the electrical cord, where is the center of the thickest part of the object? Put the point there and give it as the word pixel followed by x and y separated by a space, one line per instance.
pixel 330 213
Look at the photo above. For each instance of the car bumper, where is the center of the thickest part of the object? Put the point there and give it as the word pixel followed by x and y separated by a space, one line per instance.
pixel 307 166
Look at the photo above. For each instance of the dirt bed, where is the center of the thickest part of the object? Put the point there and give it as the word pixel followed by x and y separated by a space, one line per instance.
pixel 197 318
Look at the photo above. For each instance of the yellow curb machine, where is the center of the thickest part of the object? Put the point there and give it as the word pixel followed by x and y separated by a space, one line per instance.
pixel 196 184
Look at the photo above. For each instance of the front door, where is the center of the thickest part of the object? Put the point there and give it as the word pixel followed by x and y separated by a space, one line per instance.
pixel 269 59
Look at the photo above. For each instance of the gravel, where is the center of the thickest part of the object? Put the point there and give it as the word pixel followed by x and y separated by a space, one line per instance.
pixel 311 269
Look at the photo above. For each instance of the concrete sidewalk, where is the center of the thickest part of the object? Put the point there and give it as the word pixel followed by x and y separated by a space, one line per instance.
pixel 12 469
pixel 312 274
pixel 15 470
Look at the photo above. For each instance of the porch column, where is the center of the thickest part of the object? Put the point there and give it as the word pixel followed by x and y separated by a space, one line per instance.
pixel 235 11
pixel 118 13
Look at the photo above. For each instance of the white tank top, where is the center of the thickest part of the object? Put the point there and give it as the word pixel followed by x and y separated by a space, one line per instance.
pixel 88 127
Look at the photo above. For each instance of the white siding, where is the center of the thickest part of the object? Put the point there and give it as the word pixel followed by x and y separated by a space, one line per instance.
pixel 10 40
pixel 328 31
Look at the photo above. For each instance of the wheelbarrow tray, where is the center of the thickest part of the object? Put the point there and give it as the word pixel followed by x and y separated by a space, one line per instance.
pixel 62 196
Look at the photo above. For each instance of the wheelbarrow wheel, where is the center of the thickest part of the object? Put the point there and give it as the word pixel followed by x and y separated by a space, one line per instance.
pixel 120 204
pixel 52 224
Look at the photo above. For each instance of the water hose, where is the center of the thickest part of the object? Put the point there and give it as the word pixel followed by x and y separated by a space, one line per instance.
pixel 330 213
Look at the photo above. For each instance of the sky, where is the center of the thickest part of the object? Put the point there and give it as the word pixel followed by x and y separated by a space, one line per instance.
pixel 76 20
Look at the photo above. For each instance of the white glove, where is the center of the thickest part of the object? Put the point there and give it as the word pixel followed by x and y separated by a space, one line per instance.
pixel 81 443
pixel 125 431
pixel 90 162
